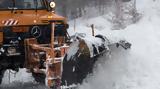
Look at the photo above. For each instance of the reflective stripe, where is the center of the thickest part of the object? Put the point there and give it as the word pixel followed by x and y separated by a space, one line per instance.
pixel 10 22
pixel 6 23
pixel 16 22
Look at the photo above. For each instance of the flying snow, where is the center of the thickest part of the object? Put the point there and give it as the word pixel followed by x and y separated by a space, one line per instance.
pixel 137 68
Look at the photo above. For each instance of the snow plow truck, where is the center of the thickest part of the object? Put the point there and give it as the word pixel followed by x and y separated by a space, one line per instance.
pixel 34 37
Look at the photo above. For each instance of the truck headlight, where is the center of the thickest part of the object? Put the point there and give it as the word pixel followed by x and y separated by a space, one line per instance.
pixel 11 50
pixel 52 4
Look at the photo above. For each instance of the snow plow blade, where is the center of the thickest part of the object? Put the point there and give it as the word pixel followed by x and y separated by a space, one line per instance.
pixel 82 55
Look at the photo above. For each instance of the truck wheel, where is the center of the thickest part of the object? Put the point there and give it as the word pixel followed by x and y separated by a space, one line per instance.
pixel 38 77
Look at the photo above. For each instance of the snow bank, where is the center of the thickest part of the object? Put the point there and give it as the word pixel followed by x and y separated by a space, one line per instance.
pixel 22 76
pixel 139 67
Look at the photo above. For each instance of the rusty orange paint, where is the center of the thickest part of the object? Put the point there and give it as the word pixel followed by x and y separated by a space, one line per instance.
pixel 64 50
pixel 20 29
pixel 29 17
pixel 20 21
pixel 1 37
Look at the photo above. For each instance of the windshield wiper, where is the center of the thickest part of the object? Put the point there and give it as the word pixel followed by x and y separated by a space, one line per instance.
pixel 14 7
pixel 36 5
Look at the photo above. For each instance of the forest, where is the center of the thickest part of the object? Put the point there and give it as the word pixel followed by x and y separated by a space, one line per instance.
pixel 123 12
pixel 77 8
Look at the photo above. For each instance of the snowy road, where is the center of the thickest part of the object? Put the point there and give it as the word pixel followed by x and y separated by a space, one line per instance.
pixel 21 80
pixel 19 85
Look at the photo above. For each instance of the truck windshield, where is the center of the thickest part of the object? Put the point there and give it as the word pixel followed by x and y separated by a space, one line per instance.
pixel 21 4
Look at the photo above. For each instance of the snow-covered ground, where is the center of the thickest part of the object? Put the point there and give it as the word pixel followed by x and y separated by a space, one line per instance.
pixel 137 68
pixel 21 76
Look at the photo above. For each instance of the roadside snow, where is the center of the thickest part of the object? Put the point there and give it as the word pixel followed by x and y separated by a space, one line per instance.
pixel 138 68
pixel 21 76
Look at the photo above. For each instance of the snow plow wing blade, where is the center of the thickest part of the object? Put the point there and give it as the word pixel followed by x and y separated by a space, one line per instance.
pixel 82 55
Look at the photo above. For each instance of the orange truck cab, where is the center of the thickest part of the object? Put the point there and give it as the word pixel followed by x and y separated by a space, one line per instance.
pixel 23 19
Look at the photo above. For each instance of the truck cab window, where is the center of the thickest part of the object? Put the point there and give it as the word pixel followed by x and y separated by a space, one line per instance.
pixel 29 4
pixel 5 4
pixel 22 4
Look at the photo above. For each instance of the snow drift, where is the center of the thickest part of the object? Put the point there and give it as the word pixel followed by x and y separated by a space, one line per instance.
pixel 138 68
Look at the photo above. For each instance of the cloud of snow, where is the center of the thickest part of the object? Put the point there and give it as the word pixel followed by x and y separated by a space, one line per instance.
pixel 137 68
